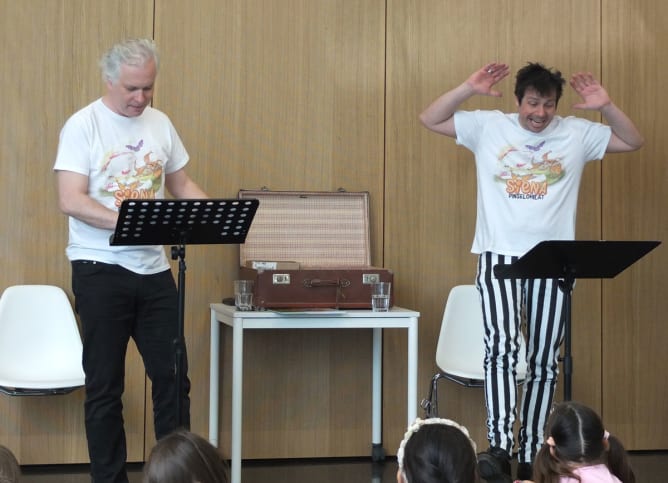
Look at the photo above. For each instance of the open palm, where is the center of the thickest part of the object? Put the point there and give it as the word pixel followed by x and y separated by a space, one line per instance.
pixel 594 96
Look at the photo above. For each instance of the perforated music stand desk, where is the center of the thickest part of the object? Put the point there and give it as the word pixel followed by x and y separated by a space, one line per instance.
pixel 183 222
pixel 568 260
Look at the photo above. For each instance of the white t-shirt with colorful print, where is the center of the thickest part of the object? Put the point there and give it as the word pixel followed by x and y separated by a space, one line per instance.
pixel 527 182
pixel 123 157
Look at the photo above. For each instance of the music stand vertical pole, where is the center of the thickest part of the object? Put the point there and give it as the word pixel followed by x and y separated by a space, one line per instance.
pixel 566 286
pixel 179 343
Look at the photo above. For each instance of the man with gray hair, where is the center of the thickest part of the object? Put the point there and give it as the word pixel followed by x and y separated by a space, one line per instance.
pixel 116 148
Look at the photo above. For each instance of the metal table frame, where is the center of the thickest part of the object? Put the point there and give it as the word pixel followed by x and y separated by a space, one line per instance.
pixel 396 318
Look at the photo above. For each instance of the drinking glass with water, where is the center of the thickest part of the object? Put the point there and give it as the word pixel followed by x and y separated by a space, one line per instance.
pixel 380 296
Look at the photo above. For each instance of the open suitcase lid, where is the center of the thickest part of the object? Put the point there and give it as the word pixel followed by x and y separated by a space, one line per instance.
pixel 313 228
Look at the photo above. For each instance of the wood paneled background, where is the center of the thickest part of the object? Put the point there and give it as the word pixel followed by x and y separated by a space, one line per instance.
pixel 321 95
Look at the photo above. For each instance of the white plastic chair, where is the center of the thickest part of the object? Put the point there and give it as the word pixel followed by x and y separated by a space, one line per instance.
pixel 40 344
pixel 460 351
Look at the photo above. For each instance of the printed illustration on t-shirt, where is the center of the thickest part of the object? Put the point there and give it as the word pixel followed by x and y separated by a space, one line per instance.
pixel 528 171
pixel 128 175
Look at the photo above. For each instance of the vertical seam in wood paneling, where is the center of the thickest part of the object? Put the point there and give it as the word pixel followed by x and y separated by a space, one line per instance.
pixel 154 15
pixel 384 194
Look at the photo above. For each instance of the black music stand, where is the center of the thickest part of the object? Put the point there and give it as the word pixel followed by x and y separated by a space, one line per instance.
pixel 183 222
pixel 567 260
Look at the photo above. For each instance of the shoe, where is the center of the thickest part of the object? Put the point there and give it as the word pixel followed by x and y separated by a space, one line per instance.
pixel 494 466
pixel 524 471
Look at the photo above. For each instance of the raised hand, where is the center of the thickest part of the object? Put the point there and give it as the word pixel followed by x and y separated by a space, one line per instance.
pixel 594 96
pixel 482 80
pixel 439 115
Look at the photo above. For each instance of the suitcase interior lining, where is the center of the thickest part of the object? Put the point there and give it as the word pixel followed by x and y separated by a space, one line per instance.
pixel 316 229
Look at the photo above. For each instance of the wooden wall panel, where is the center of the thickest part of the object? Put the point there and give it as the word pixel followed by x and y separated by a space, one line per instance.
pixel 430 182
pixel 634 304
pixel 286 94
pixel 48 70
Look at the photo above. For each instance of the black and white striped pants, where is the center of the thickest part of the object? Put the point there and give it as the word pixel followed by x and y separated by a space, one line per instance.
pixel 508 304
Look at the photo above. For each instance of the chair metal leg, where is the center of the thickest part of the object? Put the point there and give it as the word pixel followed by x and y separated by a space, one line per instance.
pixel 430 404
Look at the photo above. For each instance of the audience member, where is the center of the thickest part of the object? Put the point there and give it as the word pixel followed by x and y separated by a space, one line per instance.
pixel 579 449
pixel 185 457
pixel 9 466
pixel 437 450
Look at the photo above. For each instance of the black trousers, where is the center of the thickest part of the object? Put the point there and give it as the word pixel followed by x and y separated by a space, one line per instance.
pixel 115 304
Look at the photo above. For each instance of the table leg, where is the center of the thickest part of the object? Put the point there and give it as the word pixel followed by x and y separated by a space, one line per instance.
pixel 412 370
pixel 377 452
pixel 214 378
pixel 237 393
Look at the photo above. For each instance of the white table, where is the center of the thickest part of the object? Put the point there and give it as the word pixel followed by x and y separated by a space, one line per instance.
pixel 396 318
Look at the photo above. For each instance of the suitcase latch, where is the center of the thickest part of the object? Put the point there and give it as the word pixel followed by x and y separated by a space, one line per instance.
pixel 369 278
pixel 280 279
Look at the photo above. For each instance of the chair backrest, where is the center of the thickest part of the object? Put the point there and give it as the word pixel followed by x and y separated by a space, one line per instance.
pixel 40 344
pixel 460 350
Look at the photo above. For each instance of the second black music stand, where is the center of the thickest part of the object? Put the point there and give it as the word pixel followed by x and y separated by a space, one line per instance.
pixel 180 223
pixel 567 260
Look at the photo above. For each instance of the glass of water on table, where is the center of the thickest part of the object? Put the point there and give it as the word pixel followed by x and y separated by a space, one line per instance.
pixel 243 294
pixel 380 296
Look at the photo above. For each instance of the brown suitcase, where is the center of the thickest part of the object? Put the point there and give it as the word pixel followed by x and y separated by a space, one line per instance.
pixel 326 234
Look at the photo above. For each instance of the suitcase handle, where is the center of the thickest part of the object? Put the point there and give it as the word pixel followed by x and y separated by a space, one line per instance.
pixel 316 282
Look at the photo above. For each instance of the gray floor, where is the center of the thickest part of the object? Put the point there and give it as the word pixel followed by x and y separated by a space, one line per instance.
pixel 650 467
